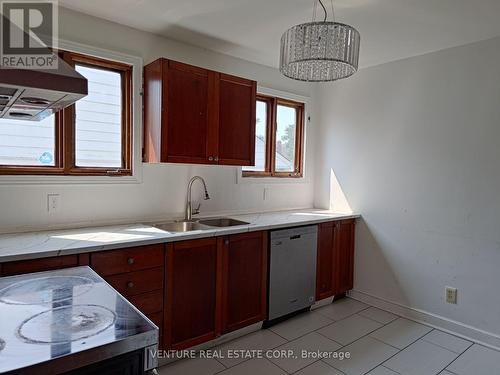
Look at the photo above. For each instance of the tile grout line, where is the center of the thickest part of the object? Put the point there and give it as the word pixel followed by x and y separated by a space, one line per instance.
pixel 329 365
pixel 332 322
pixel 367 317
pixel 362 337
pixel 383 342
pixel 248 359
pixel 442 347
pixel 406 347
pixel 390 369
pixel 368 335
pixel 316 331
pixel 449 364
pixel 345 317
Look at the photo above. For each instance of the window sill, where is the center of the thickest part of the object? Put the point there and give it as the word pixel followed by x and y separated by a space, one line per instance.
pixel 68 180
pixel 269 180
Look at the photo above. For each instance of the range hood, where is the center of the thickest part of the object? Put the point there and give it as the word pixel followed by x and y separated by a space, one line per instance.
pixel 33 94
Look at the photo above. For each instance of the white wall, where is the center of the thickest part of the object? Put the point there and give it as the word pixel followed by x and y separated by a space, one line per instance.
pixel 415 147
pixel 162 191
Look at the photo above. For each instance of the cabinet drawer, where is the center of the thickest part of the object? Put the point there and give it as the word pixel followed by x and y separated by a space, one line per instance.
pixel 126 260
pixel 138 282
pixel 38 265
pixel 148 303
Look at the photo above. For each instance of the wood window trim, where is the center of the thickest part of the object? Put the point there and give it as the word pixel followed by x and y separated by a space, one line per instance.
pixel 64 129
pixel 271 125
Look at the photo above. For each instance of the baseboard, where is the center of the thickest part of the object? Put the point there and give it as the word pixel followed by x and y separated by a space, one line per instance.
pixel 322 303
pixel 465 331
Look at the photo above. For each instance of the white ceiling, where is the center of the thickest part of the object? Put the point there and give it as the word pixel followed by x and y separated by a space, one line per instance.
pixel 251 29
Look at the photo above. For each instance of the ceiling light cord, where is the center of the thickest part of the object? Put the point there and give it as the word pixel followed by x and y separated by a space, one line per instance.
pixel 324 10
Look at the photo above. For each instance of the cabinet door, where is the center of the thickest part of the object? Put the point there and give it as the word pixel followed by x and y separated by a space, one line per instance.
pixel 244 279
pixel 325 260
pixel 344 256
pixel 191 293
pixel 185 114
pixel 236 120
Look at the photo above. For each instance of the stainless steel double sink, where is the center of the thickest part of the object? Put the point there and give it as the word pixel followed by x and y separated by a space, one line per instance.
pixel 201 224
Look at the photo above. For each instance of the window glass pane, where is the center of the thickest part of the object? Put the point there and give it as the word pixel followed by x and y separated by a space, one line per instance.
pixel 98 137
pixel 27 143
pixel 286 126
pixel 260 138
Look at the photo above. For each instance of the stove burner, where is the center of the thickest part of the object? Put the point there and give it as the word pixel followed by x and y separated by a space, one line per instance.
pixel 66 324
pixel 2 344
pixel 43 290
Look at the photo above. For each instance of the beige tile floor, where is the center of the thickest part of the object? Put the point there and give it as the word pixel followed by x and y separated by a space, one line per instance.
pixel 379 343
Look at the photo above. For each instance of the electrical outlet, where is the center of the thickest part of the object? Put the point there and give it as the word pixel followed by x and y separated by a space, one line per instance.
pixel 53 203
pixel 451 295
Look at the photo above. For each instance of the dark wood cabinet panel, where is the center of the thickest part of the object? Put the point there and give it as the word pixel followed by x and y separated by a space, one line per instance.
pixel 244 279
pixel 137 282
pixel 236 120
pixel 186 105
pixel 148 303
pixel 191 297
pixel 114 262
pixel 335 262
pixel 153 111
pixel 38 265
pixel 157 318
pixel 324 262
pixel 344 256
pixel 195 115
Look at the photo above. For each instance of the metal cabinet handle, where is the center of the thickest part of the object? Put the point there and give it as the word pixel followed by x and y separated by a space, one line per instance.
pixel 216 158
pixel 226 242
pixel 210 158
pixel 130 260
pixel 130 284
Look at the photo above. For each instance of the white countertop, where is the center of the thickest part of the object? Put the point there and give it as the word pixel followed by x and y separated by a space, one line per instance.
pixel 31 245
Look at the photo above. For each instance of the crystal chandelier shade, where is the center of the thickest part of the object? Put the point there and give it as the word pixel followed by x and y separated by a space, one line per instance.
pixel 319 51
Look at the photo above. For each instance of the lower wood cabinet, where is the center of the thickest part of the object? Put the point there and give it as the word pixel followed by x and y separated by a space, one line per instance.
pixel 192 296
pixel 135 272
pixel 244 279
pixel 214 286
pixel 325 261
pixel 38 265
pixel 335 261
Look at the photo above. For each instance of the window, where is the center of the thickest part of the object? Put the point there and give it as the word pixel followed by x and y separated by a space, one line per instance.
pixel 91 137
pixel 279 137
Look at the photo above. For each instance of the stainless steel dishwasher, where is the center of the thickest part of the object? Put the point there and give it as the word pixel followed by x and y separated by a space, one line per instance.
pixel 292 275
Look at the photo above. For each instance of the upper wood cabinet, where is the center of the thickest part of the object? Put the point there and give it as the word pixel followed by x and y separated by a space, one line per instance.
pixel 236 120
pixel 195 115
pixel 335 261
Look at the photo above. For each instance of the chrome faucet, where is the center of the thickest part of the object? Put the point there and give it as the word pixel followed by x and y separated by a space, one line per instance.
pixel 189 210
